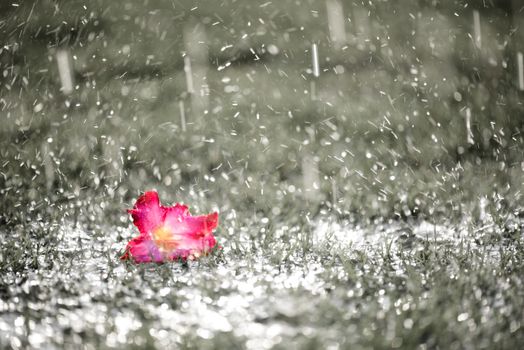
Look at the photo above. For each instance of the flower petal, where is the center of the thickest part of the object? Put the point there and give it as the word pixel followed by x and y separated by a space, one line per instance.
pixel 192 226
pixel 169 233
pixel 142 249
pixel 192 232
pixel 198 236
pixel 202 225
pixel 147 212
pixel 179 210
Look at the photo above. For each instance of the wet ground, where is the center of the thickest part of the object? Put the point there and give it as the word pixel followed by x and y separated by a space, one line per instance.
pixel 329 284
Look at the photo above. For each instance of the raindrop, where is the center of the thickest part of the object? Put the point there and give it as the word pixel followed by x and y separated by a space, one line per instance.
pixel 314 60
pixel 65 70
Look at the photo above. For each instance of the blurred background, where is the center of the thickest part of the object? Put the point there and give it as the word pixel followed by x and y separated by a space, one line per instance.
pixel 367 107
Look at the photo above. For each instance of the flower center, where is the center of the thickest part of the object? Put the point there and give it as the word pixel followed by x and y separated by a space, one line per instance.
pixel 164 239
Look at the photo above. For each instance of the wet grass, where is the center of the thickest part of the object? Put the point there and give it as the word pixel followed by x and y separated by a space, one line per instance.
pixel 438 262
pixel 376 288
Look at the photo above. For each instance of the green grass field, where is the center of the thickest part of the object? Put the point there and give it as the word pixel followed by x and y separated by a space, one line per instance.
pixel 378 205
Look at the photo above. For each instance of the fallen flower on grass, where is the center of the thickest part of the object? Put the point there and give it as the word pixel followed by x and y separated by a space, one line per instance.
pixel 168 233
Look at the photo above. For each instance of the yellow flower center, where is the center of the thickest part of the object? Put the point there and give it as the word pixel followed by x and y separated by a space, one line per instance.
pixel 164 239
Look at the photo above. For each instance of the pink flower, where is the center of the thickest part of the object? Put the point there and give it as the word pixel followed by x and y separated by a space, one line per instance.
pixel 168 233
